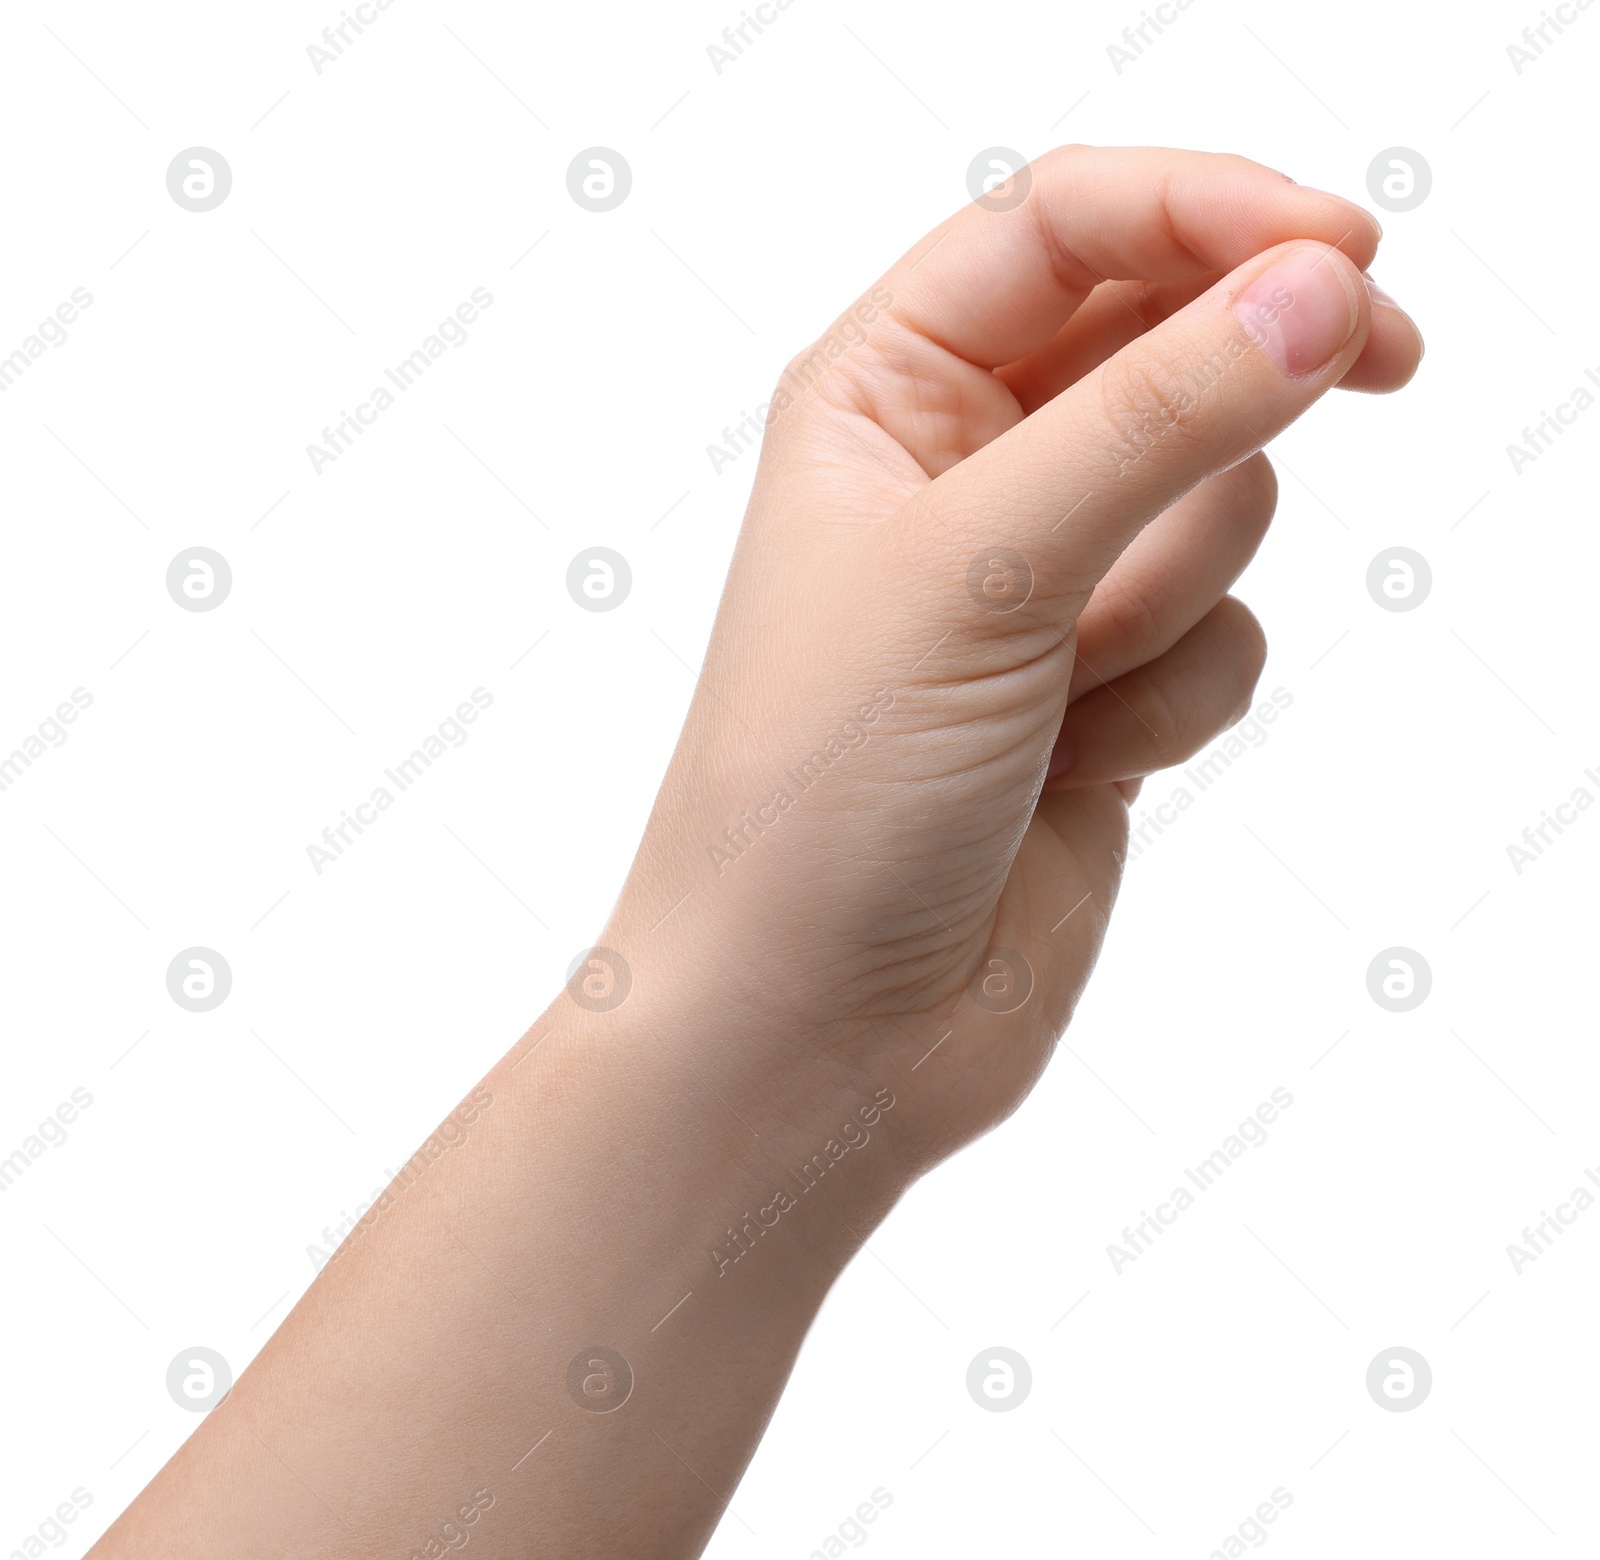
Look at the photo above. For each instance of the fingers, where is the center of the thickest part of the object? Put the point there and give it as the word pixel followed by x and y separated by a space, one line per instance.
pixel 1068 488
pixel 998 280
pixel 1174 572
pixel 1164 712
pixel 1394 348
pixel 1114 314
pixel 1119 312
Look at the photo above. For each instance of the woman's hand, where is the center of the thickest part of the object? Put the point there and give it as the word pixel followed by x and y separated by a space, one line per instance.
pixel 980 592
pixel 1012 484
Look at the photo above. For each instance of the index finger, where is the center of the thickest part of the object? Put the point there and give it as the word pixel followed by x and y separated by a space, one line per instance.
pixel 1005 273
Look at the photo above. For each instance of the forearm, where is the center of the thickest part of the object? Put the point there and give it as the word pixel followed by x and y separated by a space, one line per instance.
pixel 617 1188
pixel 980 593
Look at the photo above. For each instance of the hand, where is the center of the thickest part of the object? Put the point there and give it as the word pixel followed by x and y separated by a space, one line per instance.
pixel 999 506
pixel 979 593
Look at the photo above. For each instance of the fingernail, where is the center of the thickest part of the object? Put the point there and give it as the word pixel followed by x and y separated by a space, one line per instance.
pixel 1300 312
pixel 1378 295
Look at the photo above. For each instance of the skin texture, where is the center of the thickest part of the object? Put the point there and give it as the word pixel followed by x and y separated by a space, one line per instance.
pixel 999 505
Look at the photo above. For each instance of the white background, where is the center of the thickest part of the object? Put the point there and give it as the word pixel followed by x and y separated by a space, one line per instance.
pixel 367 203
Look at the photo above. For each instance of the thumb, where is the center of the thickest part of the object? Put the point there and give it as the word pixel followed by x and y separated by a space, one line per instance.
pixel 1063 492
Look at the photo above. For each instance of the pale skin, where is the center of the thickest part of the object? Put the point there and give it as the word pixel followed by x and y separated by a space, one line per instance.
pixel 1083 382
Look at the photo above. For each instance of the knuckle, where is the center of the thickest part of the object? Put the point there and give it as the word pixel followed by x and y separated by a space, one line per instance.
pixel 844 366
pixel 1147 413
pixel 804 371
pixel 1241 164
pixel 1064 158
pixel 1134 615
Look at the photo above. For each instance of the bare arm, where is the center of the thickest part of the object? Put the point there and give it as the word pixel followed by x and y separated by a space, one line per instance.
pixel 980 592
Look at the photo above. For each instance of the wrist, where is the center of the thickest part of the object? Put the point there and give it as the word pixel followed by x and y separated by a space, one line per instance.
pixel 759 1152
